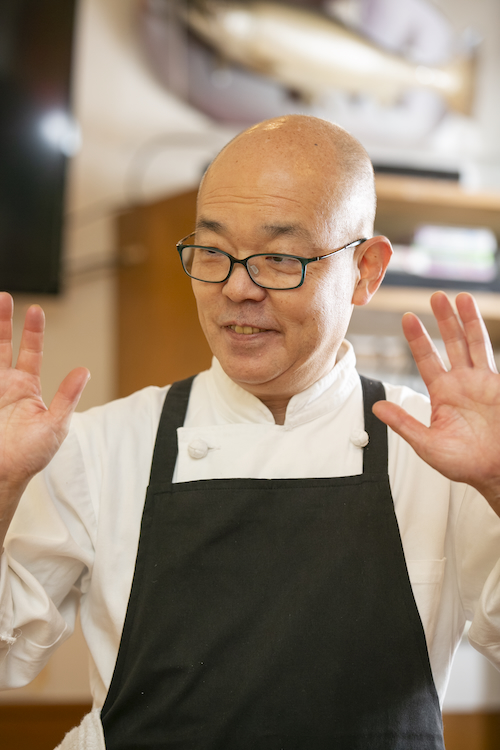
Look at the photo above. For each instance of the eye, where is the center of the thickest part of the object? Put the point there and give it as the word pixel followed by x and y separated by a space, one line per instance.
pixel 278 259
pixel 283 263
pixel 210 253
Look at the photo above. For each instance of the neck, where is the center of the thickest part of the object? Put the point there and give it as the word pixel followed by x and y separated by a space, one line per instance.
pixel 277 403
pixel 277 407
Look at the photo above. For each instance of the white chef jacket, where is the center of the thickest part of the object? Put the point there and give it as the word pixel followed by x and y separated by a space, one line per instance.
pixel 75 534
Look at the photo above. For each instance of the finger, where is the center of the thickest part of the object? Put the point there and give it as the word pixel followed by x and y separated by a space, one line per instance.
pixel 68 395
pixel 452 333
pixel 427 358
pixel 31 349
pixel 480 348
pixel 6 313
pixel 409 428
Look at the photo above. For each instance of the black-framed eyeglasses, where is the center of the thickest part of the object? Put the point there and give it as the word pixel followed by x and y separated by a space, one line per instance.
pixel 268 270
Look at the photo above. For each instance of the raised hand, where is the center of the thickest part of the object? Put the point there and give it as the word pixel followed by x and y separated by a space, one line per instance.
pixel 30 433
pixel 463 439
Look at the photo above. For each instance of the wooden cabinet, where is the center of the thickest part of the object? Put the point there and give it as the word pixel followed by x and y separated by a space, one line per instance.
pixel 159 338
pixel 403 204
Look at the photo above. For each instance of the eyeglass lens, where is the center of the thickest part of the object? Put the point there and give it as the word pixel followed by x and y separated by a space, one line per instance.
pixel 272 271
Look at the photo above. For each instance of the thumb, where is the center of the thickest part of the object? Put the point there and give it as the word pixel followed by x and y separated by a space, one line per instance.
pixel 409 428
pixel 68 395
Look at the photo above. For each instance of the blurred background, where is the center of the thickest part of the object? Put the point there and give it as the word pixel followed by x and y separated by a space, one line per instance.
pixel 110 110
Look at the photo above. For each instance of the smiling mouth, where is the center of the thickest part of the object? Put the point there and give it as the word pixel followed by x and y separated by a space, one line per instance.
pixel 247 329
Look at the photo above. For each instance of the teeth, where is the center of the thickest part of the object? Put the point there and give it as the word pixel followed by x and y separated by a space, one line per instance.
pixel 246 329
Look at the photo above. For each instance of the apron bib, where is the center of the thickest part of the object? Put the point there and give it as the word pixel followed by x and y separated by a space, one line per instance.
pixel 271 614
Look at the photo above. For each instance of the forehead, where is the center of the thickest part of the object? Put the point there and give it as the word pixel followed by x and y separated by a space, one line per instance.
pixel 267 196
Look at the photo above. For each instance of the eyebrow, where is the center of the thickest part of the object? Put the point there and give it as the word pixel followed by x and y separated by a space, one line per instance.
pixel 214 226
pixel 286 230
pixel 272 230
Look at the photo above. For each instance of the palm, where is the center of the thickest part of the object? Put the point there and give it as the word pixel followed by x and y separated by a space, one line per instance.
pixel 30 433
pixel 27 432
pixel 464 433
pixel 465 414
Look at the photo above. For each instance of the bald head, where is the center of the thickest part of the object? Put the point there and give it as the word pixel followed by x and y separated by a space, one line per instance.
pixel 316 154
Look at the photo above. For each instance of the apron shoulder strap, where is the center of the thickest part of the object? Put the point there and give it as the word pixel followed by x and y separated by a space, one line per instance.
pixel 172 416
pixel 375 454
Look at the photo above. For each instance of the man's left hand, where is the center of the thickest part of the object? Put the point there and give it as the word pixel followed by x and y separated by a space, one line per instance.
pixel 463 438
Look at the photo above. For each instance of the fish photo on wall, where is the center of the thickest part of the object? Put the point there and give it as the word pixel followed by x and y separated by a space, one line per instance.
pixel 388 70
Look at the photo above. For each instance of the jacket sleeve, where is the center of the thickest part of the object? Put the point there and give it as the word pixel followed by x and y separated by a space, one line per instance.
pixel 478 561
pixel 451 539
pixel 45 566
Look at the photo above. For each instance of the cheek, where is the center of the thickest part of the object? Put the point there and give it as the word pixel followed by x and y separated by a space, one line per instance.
pixel 205 300
pixel 205 308
pixel 332 306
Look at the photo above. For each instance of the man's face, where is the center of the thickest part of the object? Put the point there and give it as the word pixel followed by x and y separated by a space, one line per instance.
pixel 246 208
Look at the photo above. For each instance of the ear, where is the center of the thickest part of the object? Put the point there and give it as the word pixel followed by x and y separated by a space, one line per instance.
pixel 372 261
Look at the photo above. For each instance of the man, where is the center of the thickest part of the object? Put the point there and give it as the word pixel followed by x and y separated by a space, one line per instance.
pixel 270 605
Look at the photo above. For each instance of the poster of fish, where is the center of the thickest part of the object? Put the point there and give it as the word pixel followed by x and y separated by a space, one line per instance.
pixel 389 71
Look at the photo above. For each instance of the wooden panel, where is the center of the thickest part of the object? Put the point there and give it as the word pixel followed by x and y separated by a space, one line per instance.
pixel 160 339
pixel 472 731
pixel 42 727
pixel 415 191
pixel 37 727
pixel 405 203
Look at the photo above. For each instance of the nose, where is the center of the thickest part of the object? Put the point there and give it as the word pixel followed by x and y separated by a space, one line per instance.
pixel 240 287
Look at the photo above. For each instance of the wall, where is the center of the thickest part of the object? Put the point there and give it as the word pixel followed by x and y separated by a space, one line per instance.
pixel 483 17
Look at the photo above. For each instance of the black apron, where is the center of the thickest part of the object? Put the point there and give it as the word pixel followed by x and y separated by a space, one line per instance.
pixel 271 614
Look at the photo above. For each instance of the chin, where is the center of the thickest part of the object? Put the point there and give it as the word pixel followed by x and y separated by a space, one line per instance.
pixel 248 376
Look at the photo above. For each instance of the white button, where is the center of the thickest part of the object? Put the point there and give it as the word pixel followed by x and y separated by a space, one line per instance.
pixel 198 448
pixel 359 438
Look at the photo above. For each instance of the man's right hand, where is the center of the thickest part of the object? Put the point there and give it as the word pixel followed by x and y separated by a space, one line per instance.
pixel 30 433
